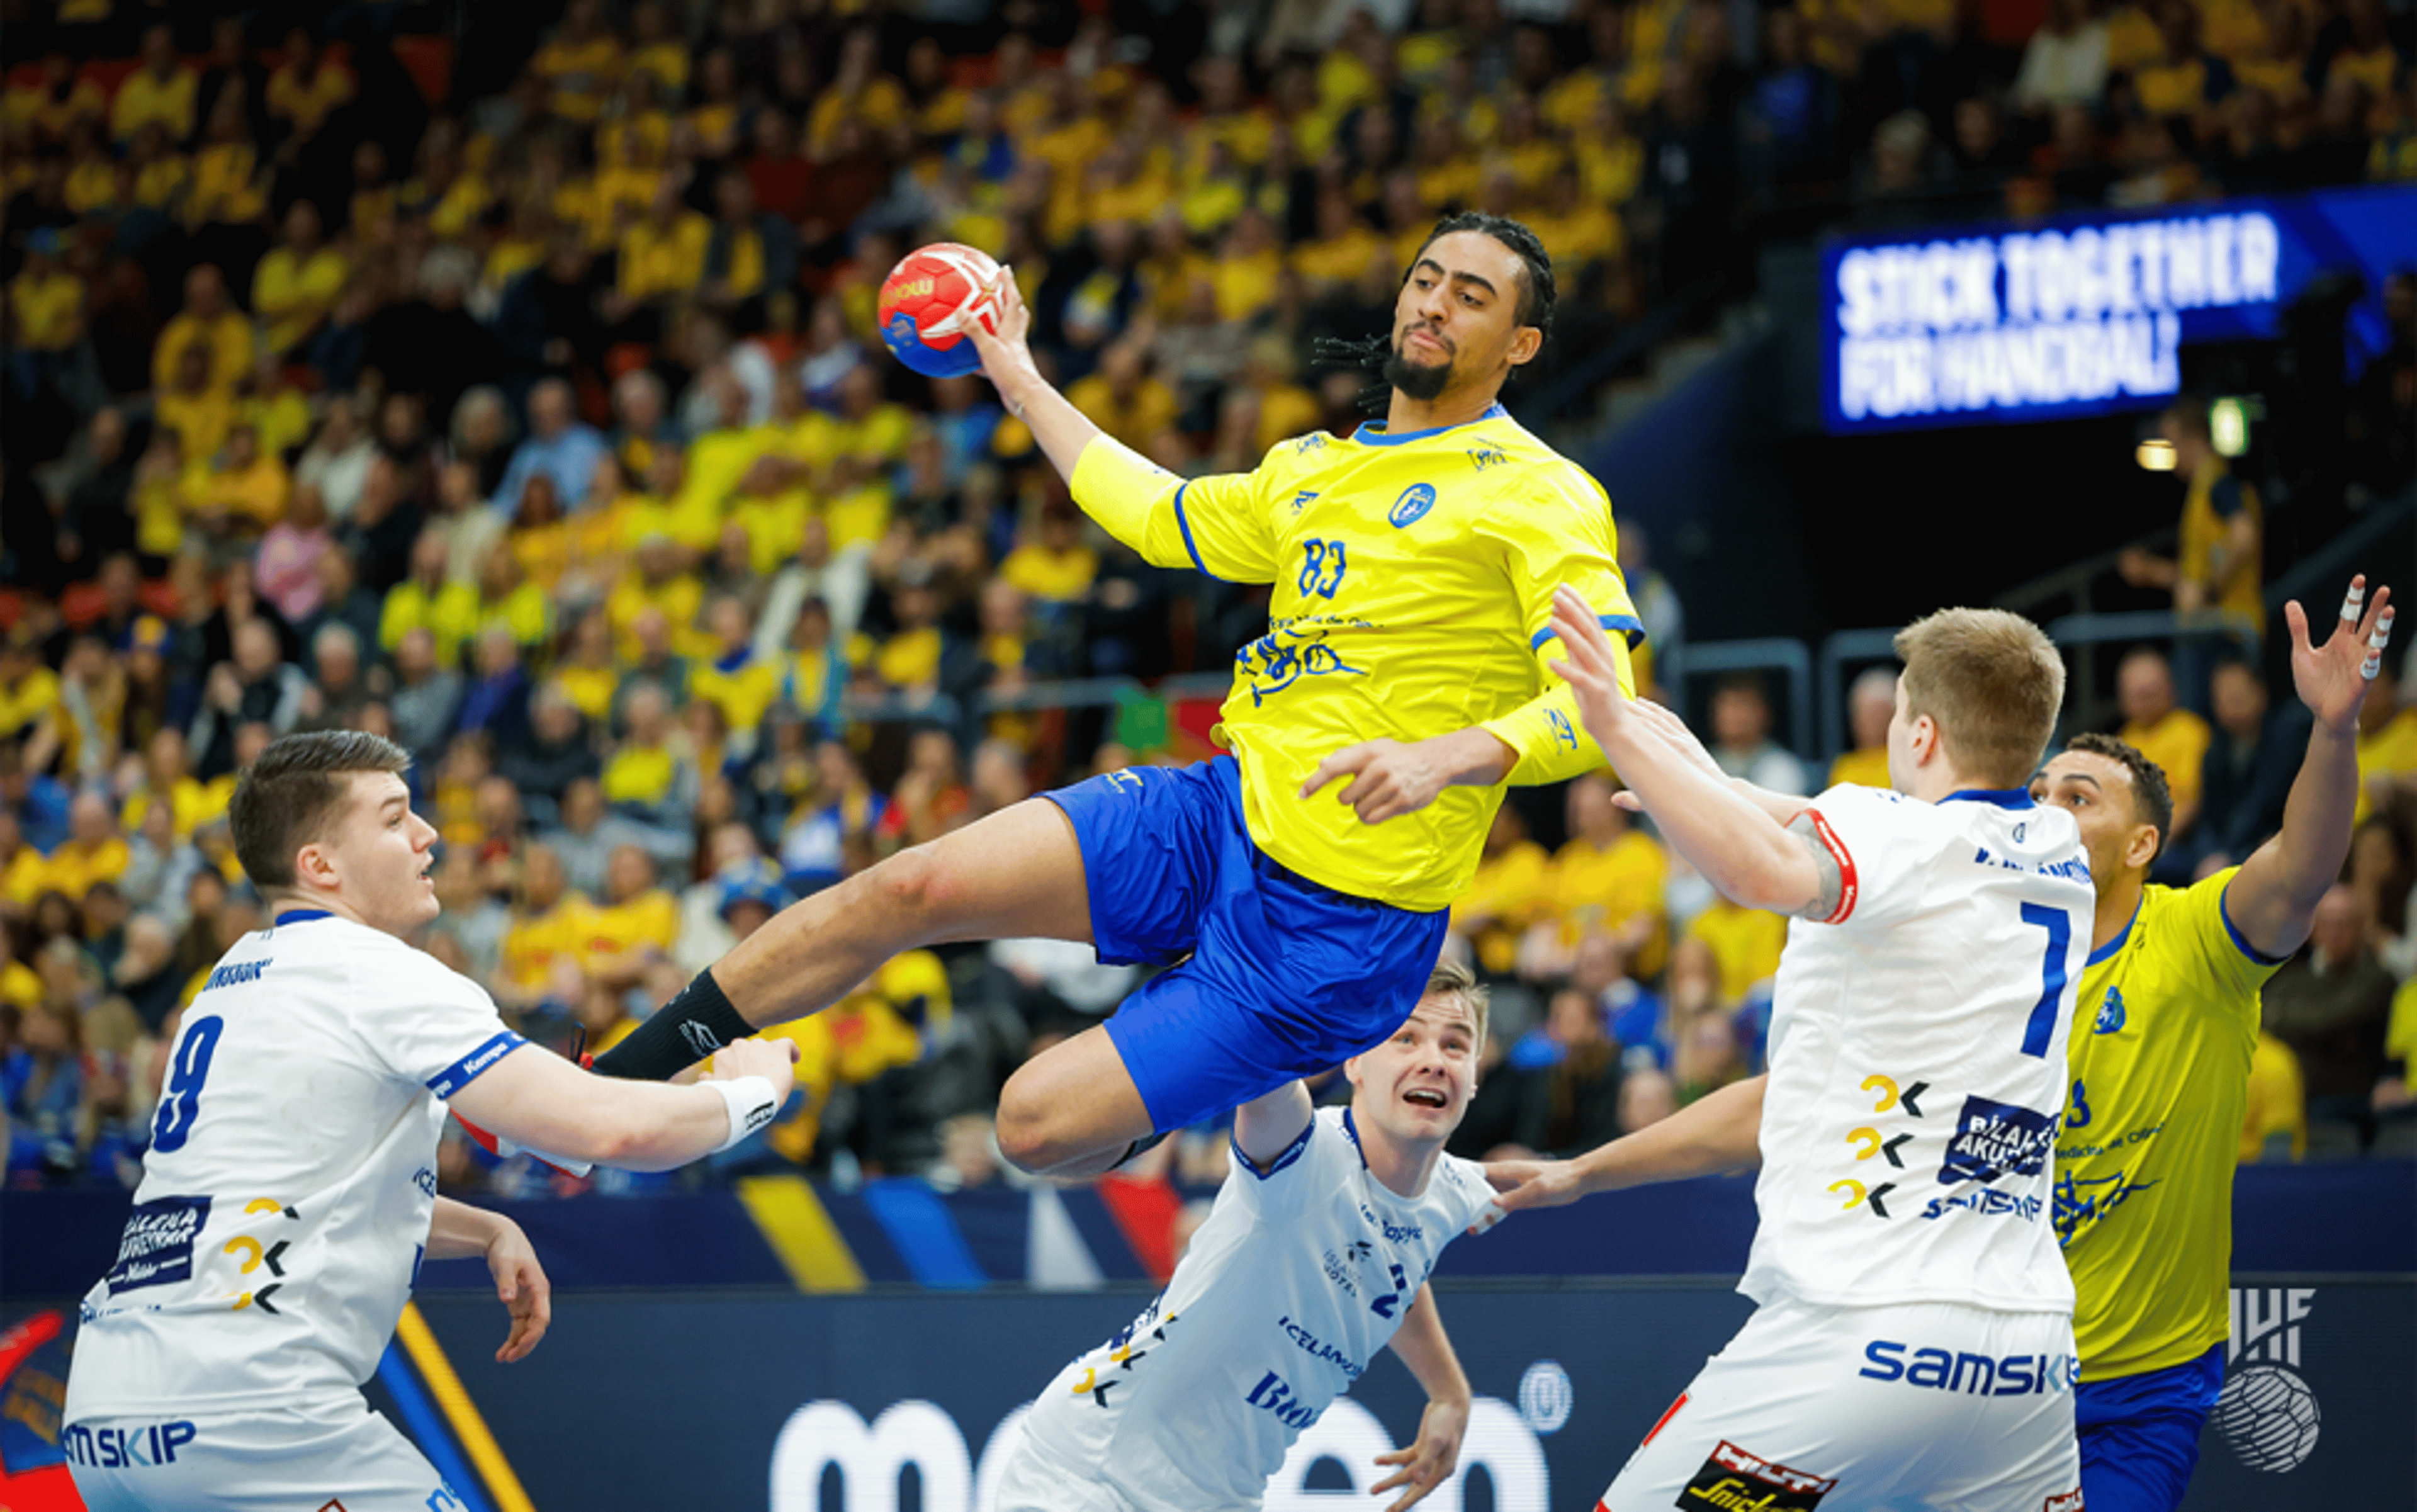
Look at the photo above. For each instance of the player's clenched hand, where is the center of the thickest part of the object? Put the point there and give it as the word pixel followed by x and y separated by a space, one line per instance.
pixel 775 1060
pixel 1389 779
pixel 1534 1183
pixel 1428 1462
pixel 1590 668
pixel 2332 678
pixel 521 1286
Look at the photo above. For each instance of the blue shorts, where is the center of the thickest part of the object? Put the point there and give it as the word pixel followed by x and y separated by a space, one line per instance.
pixel 2139 1434
pixel 1285 979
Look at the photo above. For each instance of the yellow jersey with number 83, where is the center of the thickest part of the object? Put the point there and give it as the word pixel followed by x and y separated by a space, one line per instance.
pixel 1413 579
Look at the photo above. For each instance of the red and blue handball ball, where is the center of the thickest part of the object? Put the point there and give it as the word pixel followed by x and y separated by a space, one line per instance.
pixel 928 303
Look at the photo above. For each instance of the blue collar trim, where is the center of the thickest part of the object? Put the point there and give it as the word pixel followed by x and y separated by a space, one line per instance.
pixel 2013 798
pixel 2117 943
pixel 1373 434
pixel 1353 1130
pixel 300 916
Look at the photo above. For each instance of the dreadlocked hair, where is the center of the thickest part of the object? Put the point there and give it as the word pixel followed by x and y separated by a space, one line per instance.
pixel 1537 295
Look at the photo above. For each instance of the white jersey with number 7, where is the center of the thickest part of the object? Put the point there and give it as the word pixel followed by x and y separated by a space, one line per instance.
pixel 1917 1058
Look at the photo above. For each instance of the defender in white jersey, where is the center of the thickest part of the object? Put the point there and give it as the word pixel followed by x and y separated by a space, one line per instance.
pixel 1314 1258
pixel 289 1195
pixel 1913 1346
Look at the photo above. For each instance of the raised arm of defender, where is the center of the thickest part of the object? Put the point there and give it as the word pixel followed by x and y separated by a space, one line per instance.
pixel 2272 899
pixel 1742 846
pixel 1717 1134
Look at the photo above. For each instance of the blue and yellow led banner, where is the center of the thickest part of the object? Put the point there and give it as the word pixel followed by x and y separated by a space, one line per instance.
pixel 2085 315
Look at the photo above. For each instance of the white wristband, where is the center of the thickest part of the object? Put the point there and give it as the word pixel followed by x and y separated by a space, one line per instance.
pixel 751 1106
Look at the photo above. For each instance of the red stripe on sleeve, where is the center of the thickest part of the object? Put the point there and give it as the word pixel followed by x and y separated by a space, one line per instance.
pixel 1848 890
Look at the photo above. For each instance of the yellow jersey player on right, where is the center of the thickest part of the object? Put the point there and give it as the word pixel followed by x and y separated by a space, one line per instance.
pixel 2159 1067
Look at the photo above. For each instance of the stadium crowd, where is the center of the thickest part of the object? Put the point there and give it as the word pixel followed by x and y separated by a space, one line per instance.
pixel 512 393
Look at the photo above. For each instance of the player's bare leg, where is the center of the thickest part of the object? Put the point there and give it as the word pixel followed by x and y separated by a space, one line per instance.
pixel 1072 1110
pixel 1016 875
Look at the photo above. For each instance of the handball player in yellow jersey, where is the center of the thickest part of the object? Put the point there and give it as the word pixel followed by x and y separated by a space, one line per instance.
pixel 1301 882
pixel 2159 1061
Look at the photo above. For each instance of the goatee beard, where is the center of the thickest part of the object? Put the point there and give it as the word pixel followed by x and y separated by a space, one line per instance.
pixel 1416 380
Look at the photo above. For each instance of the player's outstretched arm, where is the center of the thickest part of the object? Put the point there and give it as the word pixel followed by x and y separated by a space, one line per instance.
pixel 1215 525
pixel 1711 1137
pixel 1062 430
pixel 544 1102
pixel 1673 731
pixel 1265 1127
pixel 2272 899
pixel 458 1230
pixel 1739 848
pixel 1429 1460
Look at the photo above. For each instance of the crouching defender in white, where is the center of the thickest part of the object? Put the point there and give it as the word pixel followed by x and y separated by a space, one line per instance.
pixel 1315 1256
pixel 1913 1345
pixel 290 1192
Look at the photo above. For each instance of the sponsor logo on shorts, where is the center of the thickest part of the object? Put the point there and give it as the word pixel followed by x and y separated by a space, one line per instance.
pixel 1974 1375
pixel 1994 1138
pixel 158 1244
pixel 1737 1480
pixel 2069 1502
pixel 140 1446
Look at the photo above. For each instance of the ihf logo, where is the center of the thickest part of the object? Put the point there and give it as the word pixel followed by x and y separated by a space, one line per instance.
pixel 2266 1411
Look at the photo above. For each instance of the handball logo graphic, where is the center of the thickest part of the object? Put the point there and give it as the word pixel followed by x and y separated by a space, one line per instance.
pixel 2267 1413
pixel 2269 1416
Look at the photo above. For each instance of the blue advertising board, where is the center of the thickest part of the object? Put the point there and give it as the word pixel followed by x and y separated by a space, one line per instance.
pixel 2084 314
pixel 820 1404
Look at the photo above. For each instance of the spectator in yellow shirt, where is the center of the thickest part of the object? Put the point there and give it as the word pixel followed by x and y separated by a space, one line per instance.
pixel 244 493
pixel 207 319
pixel 580 64
pixel 2161 729
pixel 658 581
pixel 2387 744
pixel 1609 877
pixel 741 684
pixel 29 695
pixel 168 777
pixel 662 252
pixel 94 851
pixel 1871 703
pixel 1512 887
pixel 427 600
pixel 198 413
pixel 308 88
pixel 1745 941
pixel 53 107
pixel 1052 562
pixel 161 90
pixel 636 924
pixel 1123 397
pixel 648 777
pixel 859 92
pixel 549 927
pixel 297 283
